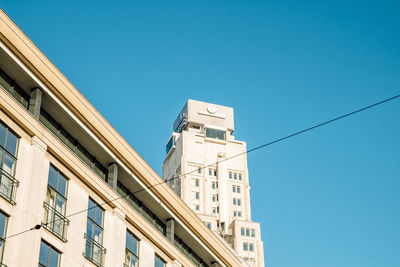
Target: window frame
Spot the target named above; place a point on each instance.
(3, 235)
(50, 248)
(129, 251)
(11, 183)
(160, 262)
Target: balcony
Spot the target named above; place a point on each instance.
(8, 187)
(94, 251)
(55, 222)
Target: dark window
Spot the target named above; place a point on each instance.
(131, 253)
(216, 134)
(158, 262)
(17, 92)
(3, 228)
(8, 160)
(48, 256)
(55, 204)
(73, 144)
(94, 250)
(170, 144)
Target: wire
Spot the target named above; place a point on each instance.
(37, 227)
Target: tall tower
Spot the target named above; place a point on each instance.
(211, 181)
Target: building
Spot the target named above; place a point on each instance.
(207, 167)
(73, 192)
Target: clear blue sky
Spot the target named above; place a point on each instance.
(328, 198)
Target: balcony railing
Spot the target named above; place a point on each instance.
(94, 251)
(8, 187)
(55, 222)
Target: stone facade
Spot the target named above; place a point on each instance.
(207, 167)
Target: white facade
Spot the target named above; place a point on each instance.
(203, 168)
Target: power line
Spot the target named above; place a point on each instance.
(37, 227)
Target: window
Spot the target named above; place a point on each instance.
(213, 198)
(230, 175)
(216, 134)
(48, 256)
(235, 176)
(54, 206)
(158, 262)
(251, 247)
(213, 185)
(131, 253)
(170, 144)
(242, 231)
(239, 214)
(199, 170)
(240, 176)
(247, 232)
(238, 202)
(197, 195)
(234, 201)
(17, 92)
(245, 246)
(209, 225)
(197, 207)
(94, 250)
(234, 213)
(8, 159)
(214, 210)
(233, 189)
(238, 189)
(212, 172)
(73, 144)
(3, 228)
(253, 233)
(197, 182)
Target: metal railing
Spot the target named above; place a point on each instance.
(55, 222)
(8, 186)
(94, 251)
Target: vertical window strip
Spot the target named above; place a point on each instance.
(3, 230)
(131, 254)
(8, 160)
(55, 204)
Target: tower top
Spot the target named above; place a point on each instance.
(203, 113)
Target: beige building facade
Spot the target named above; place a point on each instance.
(73, 192)
(207, 167)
